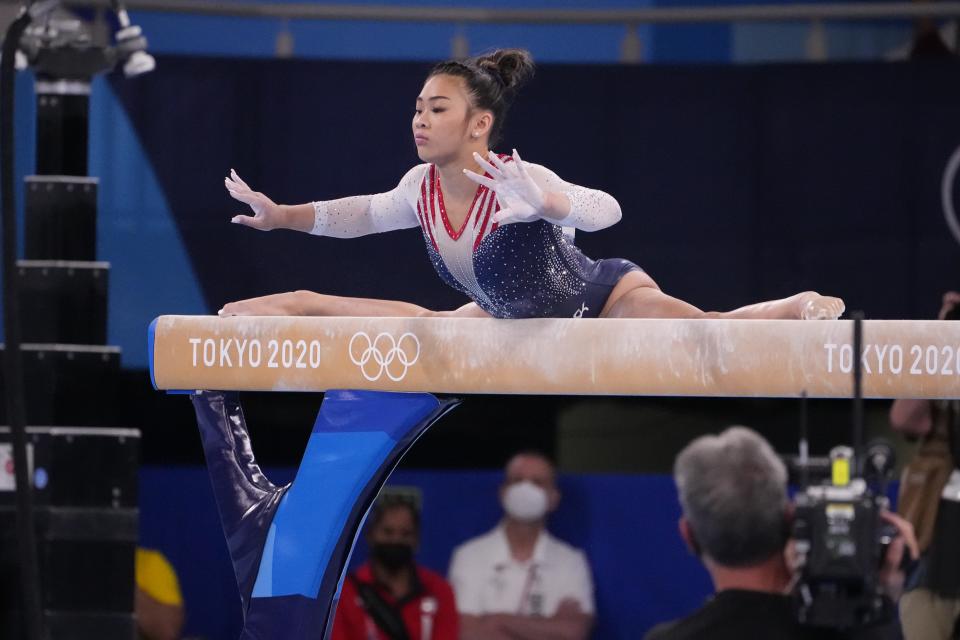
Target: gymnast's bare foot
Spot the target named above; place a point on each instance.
(813, 306)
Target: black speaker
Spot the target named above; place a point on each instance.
(76, 467)
(68, 384)
(61, 218)
(63, 302)
(62, 126)
(85, 490)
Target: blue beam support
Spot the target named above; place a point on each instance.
(290, 545)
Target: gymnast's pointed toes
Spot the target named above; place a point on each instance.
(817, 307)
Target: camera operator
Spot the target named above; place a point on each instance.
(930, 500)
(736, 519)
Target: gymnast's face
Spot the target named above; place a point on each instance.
(446, 127)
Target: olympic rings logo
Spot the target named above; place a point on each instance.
(946, 193)
(382, 352)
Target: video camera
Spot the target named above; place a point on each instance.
(60, 46)
(841, 543)
(841, 540)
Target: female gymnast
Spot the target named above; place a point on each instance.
(493, 224)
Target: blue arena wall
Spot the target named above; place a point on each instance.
(627, 525)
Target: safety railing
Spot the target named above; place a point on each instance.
(815, 14)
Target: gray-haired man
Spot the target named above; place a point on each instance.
(736, 519)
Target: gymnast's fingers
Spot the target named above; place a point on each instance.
(246, 221)
(236, 177)
(245, 198)
(519, 163)
(486, 166)
(479, 179)
(233, 187)
(498, 163)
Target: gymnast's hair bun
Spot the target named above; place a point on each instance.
(492, 80)
(513, 67)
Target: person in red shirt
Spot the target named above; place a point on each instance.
(390, 597)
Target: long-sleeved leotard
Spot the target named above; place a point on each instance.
(515, 270)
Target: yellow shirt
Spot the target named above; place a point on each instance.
(156, 577)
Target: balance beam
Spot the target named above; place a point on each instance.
(658, 357)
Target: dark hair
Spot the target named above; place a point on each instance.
(493, 80)
(533, 453)
(390, 501)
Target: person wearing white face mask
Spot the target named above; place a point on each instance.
(518, 581)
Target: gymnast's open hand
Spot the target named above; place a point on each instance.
(521, 200)
(267, 214)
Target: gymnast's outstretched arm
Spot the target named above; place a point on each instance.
(343, 218)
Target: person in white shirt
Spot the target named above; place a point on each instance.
(518, 581)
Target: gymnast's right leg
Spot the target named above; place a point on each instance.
(310, 303)
(638, 296)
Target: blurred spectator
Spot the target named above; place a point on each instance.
(930, 500)
(158, 603)
(390, 597)
(733, 492)
(518, 581)
(928, 39)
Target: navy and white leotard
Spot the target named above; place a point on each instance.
(515, 270)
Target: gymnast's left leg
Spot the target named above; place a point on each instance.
(636, 295)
